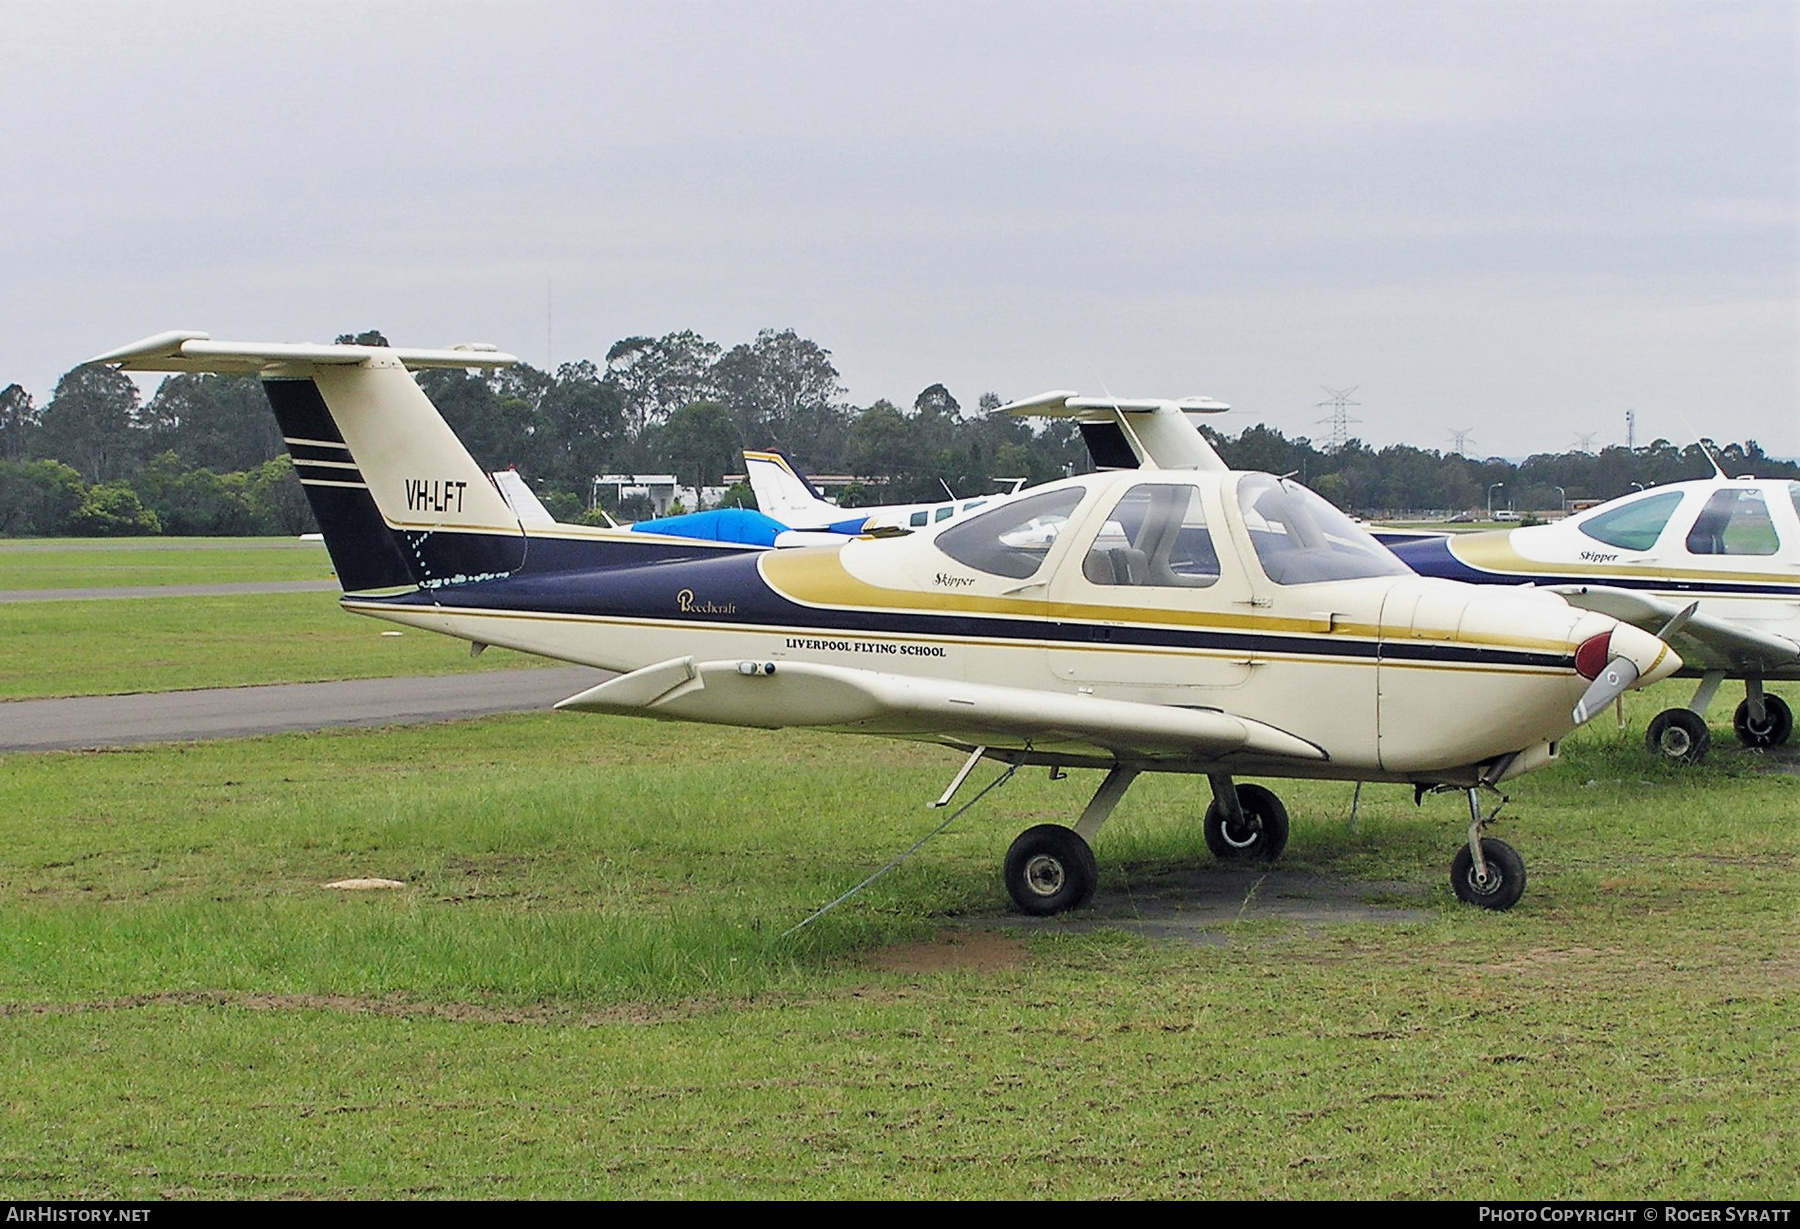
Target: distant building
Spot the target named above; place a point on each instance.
(659, 489)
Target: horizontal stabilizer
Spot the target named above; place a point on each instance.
(1132, 434)
(1701, 639)
(187, 351)
(1063, 403)
(782, 695)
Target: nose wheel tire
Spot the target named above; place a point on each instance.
(1503, 884)
(1772, 731)
(1263, 834)
(1050, 869)
(1679, 734)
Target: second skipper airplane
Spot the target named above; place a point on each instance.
(1729, 546)
(1191, 620)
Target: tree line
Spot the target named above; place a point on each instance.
(203, 454)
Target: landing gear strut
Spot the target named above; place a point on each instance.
(1761, 720)
(1051, 868)
(1486, 872)
(1245, 822)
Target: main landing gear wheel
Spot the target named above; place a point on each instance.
(1263, 833)
(1049, 869)
(1504, 882)
(1679, 734)
(1772, 731)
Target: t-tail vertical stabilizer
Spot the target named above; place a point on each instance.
(784, 493)
(398, 498)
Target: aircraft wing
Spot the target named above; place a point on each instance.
(842, 698)
(1704, 641)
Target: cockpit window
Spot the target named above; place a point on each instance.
(1636, 525)
(1299, 538)
(1734, 522)
(1013, 539)
(1155, 536)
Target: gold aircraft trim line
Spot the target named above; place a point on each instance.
(1495, 553)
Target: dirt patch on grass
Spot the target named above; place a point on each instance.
(982, 951)
(1784, 759)
(1199, 906)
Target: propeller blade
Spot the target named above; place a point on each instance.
(1678, 622)
(1612, 682)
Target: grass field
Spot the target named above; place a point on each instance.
(116, 646)
(583, 989)
(586, 987)
(75, 563)
(112, 646)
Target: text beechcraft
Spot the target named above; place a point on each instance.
(1188, 620)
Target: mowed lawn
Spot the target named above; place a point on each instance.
(584, 988)
(121, 645)
(80, 563)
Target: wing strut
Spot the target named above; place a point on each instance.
(961, 776)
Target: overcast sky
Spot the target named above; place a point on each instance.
(1520, 219)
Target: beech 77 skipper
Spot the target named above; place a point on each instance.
(1730, 547)
(1157, 619)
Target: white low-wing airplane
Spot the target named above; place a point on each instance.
(1170, 620)
(1730, 545)
(786, 494)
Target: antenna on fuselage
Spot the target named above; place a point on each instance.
(1718, 470)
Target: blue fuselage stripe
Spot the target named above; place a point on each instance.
(1434, 558)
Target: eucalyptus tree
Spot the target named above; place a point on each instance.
(781, 391)
(218, 422)
(656, 376)
(91, 424)
(18, 419)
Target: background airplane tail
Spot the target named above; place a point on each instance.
(399, 500)
(783, 492)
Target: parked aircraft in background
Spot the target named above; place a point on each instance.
(1732, 545)
(786, 494)
(523, 500)
(1154, 620)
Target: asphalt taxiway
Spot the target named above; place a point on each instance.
(230, 712)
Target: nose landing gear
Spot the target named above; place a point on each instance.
(1486, 872)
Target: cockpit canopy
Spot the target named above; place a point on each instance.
(1730, 520)
(1158, 532)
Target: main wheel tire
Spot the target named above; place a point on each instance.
(1679, 734)
(1262, 835)
(1772, 731)
(1050, 869)
(1505, 881)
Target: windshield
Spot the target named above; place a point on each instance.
(1636, 525)
(1299, 538)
